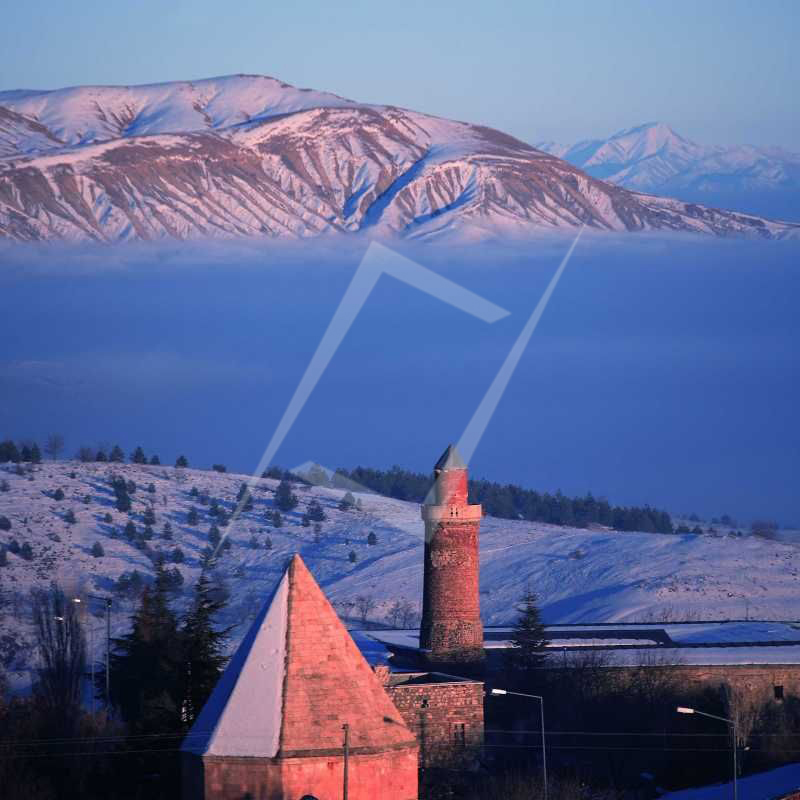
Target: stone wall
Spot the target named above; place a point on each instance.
(371, 777)
(447, 719)
(759, 682)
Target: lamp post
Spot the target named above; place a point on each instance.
(732, 723)
(345, 781)
(541, 712)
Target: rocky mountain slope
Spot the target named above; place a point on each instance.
(250, 156)
(654, 158)
(579, 575)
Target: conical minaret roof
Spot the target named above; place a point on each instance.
(450, 459)
(295, 679)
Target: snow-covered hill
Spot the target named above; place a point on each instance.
(587, 576)
(250, 156)
(654, 158)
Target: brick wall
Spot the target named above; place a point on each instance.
(447, 719)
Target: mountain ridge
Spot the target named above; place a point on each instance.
(252, 156)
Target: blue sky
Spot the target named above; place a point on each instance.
(719, 72)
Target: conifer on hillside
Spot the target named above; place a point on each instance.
(527, 636)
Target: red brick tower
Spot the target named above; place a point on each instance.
(451, 628)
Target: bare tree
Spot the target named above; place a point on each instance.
(62, 653)
(743, 710)
(365, 604)
(53, 445)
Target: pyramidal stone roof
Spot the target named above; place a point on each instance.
(450, 459)
(295, 679)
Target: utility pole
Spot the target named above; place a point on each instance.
(346, 729)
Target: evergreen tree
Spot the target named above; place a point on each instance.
(3, 557)
(151, 488)
(202, 649)
(192, 517)
(181, 461)
(117, 455)
(8, 452)
(13, 547)
(527, 637)
(5, 486)
(155, 461)
(69, 517)
(267, 543)
(214, 536)
(97, 550)
(352, 557)
(176, 556)
(123, 500)
(26, 551)
(25, 453)
(277, 519)
(5, 524)
(58, 495)
(108, 519)
(146, 668)
(285, 498)
(149, 517)
(101, 457)
(167, 532)
(347, 502)
(130, 530)
(138, 456)
(315, 511)
(372, 538)
(219, 468)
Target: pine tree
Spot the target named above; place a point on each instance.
(130, 530)
(69, 517)
(155, 461)
(146, 668)
(181, 461)
(167, 532)
(192, 517)
(267, 543)
(202, 649)
(177, 556)
(528, 636)
(58, 495)
(372, 538)
(214, 536)
(347, 502)
(285, 498)
(277, 519)
(315, 511)
(5, 524)
(352, 557)
(117, 455)
(36, 454)
(151, 488)
(101, 457)
(26, 552)
(97, 550)
(138, 456)
(3, 557)
(149, 517)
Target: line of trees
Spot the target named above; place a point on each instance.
(509, 501)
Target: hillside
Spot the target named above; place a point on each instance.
(588, 576)
(251, 156)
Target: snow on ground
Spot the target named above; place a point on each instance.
(769, 785)
(579, 575)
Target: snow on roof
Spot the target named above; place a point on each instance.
(295, 680)
(253, 680)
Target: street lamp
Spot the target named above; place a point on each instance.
(541, 711)
(732, 723)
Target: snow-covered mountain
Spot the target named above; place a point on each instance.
(579, 575)
(248, 155)
(654, 158)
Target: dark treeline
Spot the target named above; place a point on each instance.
(509, 501)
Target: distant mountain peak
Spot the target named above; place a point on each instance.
(249, 155)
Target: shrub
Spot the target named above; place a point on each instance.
(192, 517)
(151, 487)
(167, 530)
(176, 556)
(58, 494)
(5, 524)
(353, 557)
(219, 468)
(69, 517)
(267, 543)
(13, 547)
(87, 499)
(108, 519)
(3, 557)
(155, 461)
(277, 519)
(130, 530)
(194, 492)
(4, 486)
(214, 536)
(97, 550)
(26, 551)
(372, 538)
(149, 517)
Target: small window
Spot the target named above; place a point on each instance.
(778, 692)
(460, 734)
(425, 703)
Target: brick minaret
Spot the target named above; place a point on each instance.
(451, 616)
